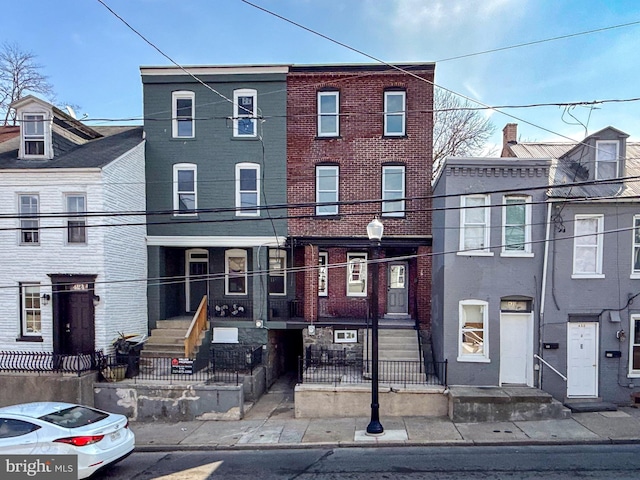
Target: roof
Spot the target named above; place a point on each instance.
(94, 154)
(7, 133)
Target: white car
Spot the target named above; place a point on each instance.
(54, 428)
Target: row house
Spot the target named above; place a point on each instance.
(536, 267)
(73, 250)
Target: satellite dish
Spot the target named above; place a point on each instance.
(71, 112)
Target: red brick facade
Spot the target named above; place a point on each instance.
(360, 151)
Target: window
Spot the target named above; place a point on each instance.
(245, 108)
(345, 336)
(31, 321)
(327, 190)
(636, 246)
(634, 345)
(473, 345)
(516, 225)
(235, 272)
(323, 262)
(328, 114)
(33, 128)
(29, 223)
(277, 272)
(606, 160)
(185, 199)
(76, 226)
(247, 189)
(393, 189)
(183, 114)
(474, 221)
(587, 246)
(10, 427)
(356, 274)
(394, 113)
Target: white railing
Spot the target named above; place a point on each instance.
(550, 366)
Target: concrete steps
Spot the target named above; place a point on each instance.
(503, 404)
(397, 344)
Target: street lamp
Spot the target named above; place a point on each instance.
(374, 231)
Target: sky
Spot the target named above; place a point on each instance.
(92, 58)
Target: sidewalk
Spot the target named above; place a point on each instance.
(270, 423)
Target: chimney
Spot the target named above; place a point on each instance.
(509, 137)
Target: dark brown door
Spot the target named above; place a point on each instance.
(74, 314)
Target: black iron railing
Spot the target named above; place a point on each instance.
(47, 362)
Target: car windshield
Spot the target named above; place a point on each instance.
(74, 417)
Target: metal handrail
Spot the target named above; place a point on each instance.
(198, 324)
(550, 366)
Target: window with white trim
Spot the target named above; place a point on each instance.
(356, 274)
(34, 135)
(183, 114)
(245, 112)
(634, 346)
(185, 182)
(30, 313)
(635, 267)
(393, 191)
(277, 271)
(474, 221)
(516, 225)
(606, 159)
(247, 189)
(587, 246)
(394, 113)
(235, 273)
(328, 114)
(29, 223)
(327, 177)
(76, 225)
(474, 335)
(323, 285)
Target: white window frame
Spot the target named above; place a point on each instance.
(278, 268)
(228, 274)
(334, 171)
(634, 342)
(28, 219)
(38, 136)
(345, 336)
(580, 241)
(176, 119)
(463, 354)
(34, 309)
(390, 195)
(635, 250)
(323, 274)
(77, 222)
(335, 114)
(240, 210)
(241, 115)
(526, 247)
(464, 224)
(388, 114)
(185, 167)
(356, 274)
(615, 160)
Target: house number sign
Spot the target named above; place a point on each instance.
(80, 286)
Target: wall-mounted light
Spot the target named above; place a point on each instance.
(45, 298)
(620, 335)
(96, 300)
(259, 324)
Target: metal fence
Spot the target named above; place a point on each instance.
(47, 362)
(338, 367)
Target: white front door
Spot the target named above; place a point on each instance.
(582, 359)
(516, 348)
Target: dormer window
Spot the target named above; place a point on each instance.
(606, 159)
(33, 132)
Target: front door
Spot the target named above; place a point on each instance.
(198, 270)
(73, 314)
(516, 348)
(397, 291)
(582, 359)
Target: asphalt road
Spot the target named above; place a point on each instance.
(619, 462)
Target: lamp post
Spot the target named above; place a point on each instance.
(374, 231)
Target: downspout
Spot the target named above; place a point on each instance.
(543, 291)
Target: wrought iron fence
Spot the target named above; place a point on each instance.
(47, 362)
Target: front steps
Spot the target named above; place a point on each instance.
(167, 339)
(398, 345)
(503, 404)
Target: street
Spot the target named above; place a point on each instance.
(443, 463)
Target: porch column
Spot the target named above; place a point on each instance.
(311, 283)
(260, 282)
(423, 290)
